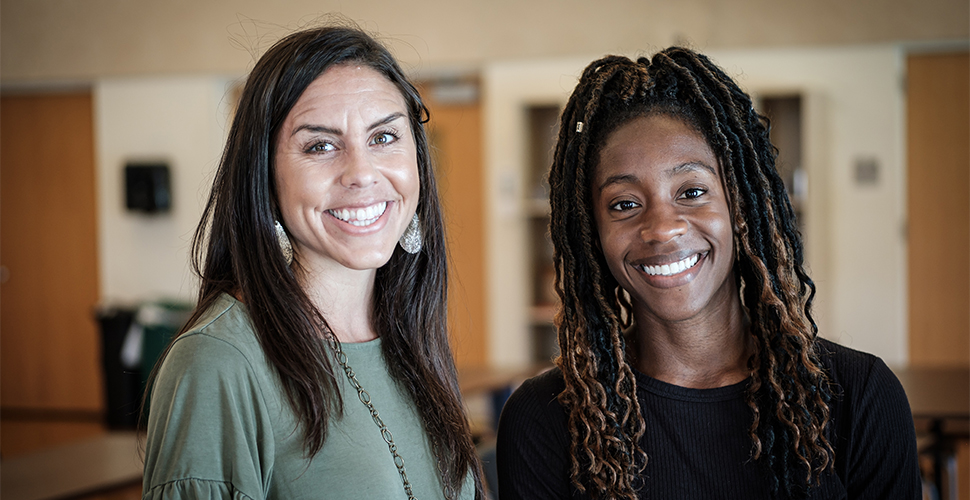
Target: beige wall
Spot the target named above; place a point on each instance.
(42, 40)
(177, 120)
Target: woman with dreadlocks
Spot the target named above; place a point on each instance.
(690, 365)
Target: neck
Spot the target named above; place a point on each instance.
(345, 298)
(699, 353)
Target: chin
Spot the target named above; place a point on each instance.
(364, 263)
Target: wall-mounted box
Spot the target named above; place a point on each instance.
(147, 187)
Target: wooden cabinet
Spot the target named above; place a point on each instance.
(543, 126)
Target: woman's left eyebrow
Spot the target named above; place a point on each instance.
(387, 119)
(691, 166)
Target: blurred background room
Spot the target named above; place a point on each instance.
(114, 114)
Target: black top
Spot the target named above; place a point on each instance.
(697, 440)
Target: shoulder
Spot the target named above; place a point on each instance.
(549, 382)
(855, 373)
(871, 425)
(223, 337)
(533, 441)
(219, 354)
(214, 408)
(839, 357)
(537, 396)
(533, 414)
(859, 378)
(228, 321)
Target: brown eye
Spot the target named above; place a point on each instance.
(693, 193)
(384, 138)
(622, 206)
(320, 147)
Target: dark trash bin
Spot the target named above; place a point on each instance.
(122, 384)
(132, 339)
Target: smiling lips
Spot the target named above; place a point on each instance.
(673, 268)
(360, 217)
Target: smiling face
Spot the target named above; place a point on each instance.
(346, 170)
(663, 220)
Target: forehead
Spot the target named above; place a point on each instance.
(356, 85)
(657, 141)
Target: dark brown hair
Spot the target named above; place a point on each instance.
(788, 392)
(236, 252)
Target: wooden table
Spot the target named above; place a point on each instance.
(102, 463)
(940, 401)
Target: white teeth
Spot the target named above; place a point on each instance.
(362, 216)
(671, 269)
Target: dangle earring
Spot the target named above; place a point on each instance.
(284, 242)
(411, 239)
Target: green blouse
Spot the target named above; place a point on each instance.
(220, 425)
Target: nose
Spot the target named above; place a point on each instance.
(359, 169)
(661, 223)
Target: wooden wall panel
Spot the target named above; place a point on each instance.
(938, 184)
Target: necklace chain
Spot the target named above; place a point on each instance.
(364, 398)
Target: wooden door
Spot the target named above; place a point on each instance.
(455, 131)
(938, 184)
(50, 377)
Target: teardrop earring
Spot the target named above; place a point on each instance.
(411, 239)
(284, 242)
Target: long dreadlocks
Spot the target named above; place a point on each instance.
(788, 392)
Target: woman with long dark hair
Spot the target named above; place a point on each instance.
(690, 364)
(316, 363)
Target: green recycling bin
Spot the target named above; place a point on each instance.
(160, 322)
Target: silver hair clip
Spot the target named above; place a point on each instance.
(579, 127)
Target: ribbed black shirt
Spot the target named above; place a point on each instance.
(698, 445)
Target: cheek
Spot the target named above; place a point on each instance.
(721, 226)
(613, 252)
(413, 182)
(724, 225)
(293, 188)
(406, 179)
(400, 166)
(297, 191)
(408, 191)
(284, 186)
(607, 241)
